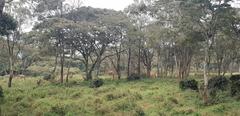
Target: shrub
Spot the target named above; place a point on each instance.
(189, 84)
(219, 83)
(235, 85)
(216, 88)
(133, 77)
(47, 77)
(1, 92)
(96, 83)
(235, 78)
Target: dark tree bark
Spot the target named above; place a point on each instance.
(68, 67)
(56, 62)
(10, 57)
(129, 61)
(183, 61)
(62, 60)
(158, 62)
(147, 58)
(2, 4)
(139, 58)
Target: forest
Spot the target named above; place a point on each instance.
(153, 58)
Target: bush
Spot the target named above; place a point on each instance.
(217, 84)
(96, 83)
(133, 77)
(235, 78)
(235, 85)
(1, 92)
(189, 84)
(47, 77)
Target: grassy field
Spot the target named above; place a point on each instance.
(156, 97)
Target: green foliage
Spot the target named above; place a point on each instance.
(235, 85)
(48, 77)
(188, 84)
(96, 83)
(7, 24)
(217, 84)
(134, 77)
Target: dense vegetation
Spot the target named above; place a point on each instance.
(156, 57)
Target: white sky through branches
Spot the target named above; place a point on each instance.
(108, 4)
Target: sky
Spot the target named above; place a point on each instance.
(109, 4)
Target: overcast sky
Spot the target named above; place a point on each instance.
(109, 4)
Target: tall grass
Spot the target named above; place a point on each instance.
(115, 98)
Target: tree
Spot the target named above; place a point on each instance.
(58, 33)
(91, 41)
(7, 26)
(137, 13)
(119, 25)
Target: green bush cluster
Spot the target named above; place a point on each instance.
(96, 83)
(188, 84)
(134, 77)
(235, 85)
(47, 76)
(216, 85)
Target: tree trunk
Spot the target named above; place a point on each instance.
(89, 75)
(2, 4)
(97, 70)
(11, 72)
(68, 70)
(129, 61)
(62, 69)
(119, 67)
(10, 57)
(56, 63)
(149, 71)
(231, 69)
(219, 65)
(139, 58)
(239, 67)
(69, 65)
(158, 65)
(205, 92)
(86, 70)
(62, 65)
